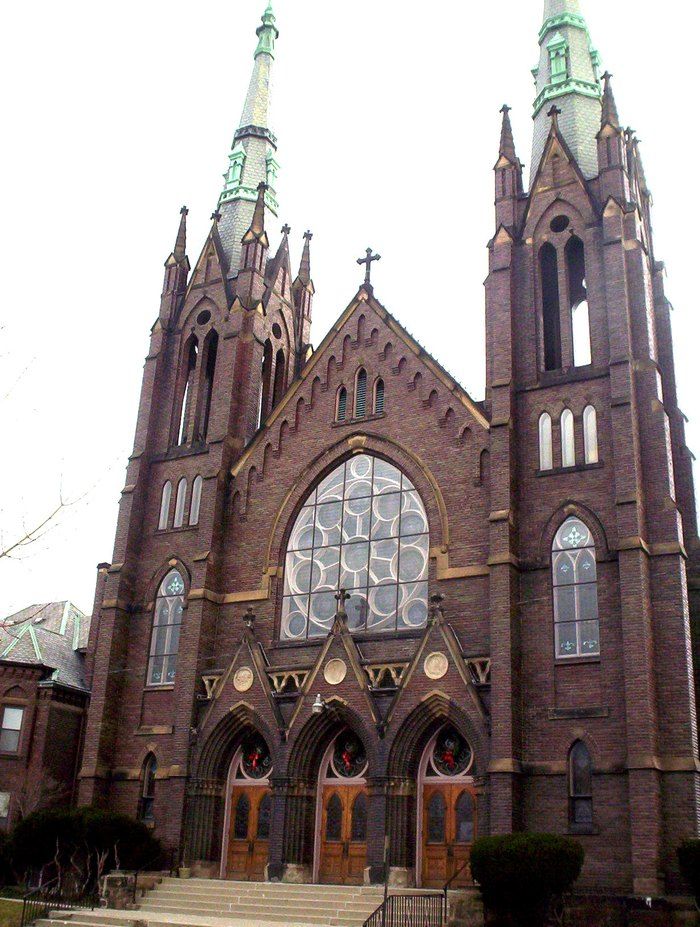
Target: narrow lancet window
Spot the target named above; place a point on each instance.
(279, 378)
(165, 505)
(546, 457)
(165, 637)
(361, 393)
(179, 519)
(341, 404)
(578, 301)
(379, 397)
(590, 434)
(148, 790)
(188, 391)
(551, 321)
(266, 388)
(580, 788)
(208, 385)
(568, 439)
(196, 500)
(575, 581)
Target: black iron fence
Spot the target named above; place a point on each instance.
(53, 897)
(424, 910)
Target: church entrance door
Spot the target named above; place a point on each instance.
(250, 834)
(248, 813)
(447, 811)
(341, 832)
(343, 835)
(448, 834)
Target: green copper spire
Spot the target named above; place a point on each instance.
(267, 34)
(252, 159)
(568, 75)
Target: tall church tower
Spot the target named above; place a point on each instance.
(585, 422)
(230, 337)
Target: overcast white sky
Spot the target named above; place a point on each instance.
(387, 118)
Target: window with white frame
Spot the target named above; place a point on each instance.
(575, 586)
(165, 637)
(568, 439)
(166, 495)
(590, 434)
(11, 728)
(179, 519)
(364, 529)
(5, 806)
(545, 428)
(196, 502)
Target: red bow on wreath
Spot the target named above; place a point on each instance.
(346, 757)
(448, 758)
(254, 759)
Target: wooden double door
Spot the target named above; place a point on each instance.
(343, 834)
(249, 833)
(449, 829)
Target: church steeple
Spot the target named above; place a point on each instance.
(252, 159)
(568, 75)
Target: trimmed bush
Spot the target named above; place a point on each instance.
(80, 844)
(520, 875)
(689, 861)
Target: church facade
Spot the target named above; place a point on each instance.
(354, 615)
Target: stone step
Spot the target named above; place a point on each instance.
(246, 904)
(313, 913)
(216, 885)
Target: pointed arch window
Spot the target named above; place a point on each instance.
(379, 397)
(212, 347)
(266, 382)
(575, 585)
(551, 321)
(545, 428)
(179, 519)
(165, 497)
(361, 393)
(196, 502)
(578, 301)
(341, 405)
(580, 788)
(187, 390)
(568, 439)
(165, 636)
(590, 435)
(148, 790)
(278, 390)
(363, 529)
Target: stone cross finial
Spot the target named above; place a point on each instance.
(367, 261)
(341, 598)
(249, 617)
(436, 605)
(215, 216)
(184, 211)
(308, 235)
(286, 229)
(554, 112)
(505, 109)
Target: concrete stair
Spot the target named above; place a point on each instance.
(214, 903)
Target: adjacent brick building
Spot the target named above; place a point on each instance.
(43, 704)
(347, 600)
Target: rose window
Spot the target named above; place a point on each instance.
(363, 529)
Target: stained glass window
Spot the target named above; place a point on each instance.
(451, 755)
(580, 787)
(464, 818)
(436, 818)
(575, 578)
(363, 529)
(359, 819)
(264, 814)
(165, 638)
(242, 816)
(334, 818)
(148, 789)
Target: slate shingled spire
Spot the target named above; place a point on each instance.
(507, 146)
(567, 74)
(610, 116)
(252, 156)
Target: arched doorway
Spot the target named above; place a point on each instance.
(248, 812)
(341, 814)
(446, 810)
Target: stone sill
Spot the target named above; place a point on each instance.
(360, 636)
(374, 417)
(577, 468)
(576, 661)
(183, 530)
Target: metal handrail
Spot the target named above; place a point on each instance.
(174, 852)
(39, 901)
(446, 886)
(408, 910)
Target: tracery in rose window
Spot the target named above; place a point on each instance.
(255, 760)
(348, 759)
(451, 754)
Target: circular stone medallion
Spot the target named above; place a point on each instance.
(243, 679)
(335, 671)
(435, 666)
